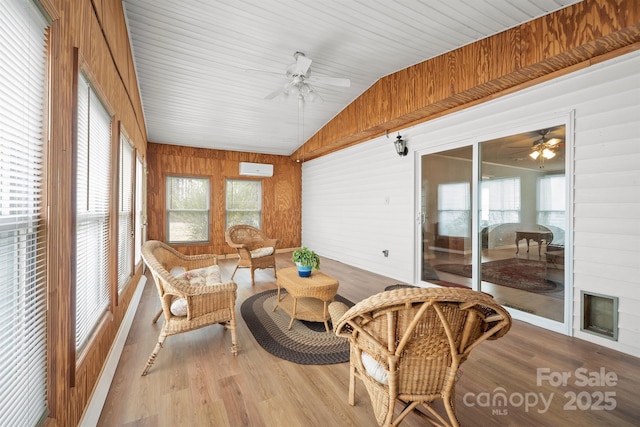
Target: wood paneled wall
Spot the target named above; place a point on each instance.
(561, 42)
(281, 193)
(96, 30)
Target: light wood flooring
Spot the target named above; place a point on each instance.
(196, 381)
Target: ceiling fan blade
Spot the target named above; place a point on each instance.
(255, 71)
(326, 80)
(281, 93)
(302, 65)
(274, 94)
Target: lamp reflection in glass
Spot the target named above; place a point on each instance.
(401, 146)
(544, 150)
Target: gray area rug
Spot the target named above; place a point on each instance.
(307, 343)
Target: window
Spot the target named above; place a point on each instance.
(187, 209)
(137, 257)
(125, 213)
(552, 205)
(93, 160)
(23, 37)
(244, 202)
(454, 214)
(500, 203)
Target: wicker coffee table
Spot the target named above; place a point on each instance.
(307, 298)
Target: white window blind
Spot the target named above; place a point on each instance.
(125, 213)
(187, 209)
(552, 205)
(500, 201)
(92, 212)
(139, 213)
(454, 209)
(244, 202)
(23, 337)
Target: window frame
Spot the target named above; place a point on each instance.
(139, 206)
(463, 215)
(126, 203)
(23, 201)
(258, 211)
(506, 215)
(554, 219)
(79, 350)
(205, 211)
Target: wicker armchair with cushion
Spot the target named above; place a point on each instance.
(191, 293)
(254, 248)
(407, 345)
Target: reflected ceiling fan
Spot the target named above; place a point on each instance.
(299, 78)
(544, 148)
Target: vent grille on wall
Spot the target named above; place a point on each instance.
(256, 169)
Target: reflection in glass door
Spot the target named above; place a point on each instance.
(522, 221)
(446, 215)
(520, 214)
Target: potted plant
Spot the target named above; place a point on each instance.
(306, 260)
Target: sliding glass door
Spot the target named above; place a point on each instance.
(514, 200)
(522, 221)
(446, 215)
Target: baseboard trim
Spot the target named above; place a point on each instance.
(92, 412)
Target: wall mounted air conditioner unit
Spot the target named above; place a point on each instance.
(256, 169)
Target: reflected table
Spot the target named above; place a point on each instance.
(536, 236)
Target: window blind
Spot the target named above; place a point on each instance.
(187, 209)
(454, 209)
(500, 200)
(244, 202)
(92, 212)
(22, 259)
(139, 213)
(125, 213)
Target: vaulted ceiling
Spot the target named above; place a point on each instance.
(205, 68)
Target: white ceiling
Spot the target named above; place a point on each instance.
(192, 57)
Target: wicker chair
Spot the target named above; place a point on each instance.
(407, 345)
(254, 248)
(203, 302)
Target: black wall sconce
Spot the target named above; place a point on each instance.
(401, 146)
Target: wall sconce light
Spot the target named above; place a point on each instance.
(401, 146)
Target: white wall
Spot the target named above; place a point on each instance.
(361, 200)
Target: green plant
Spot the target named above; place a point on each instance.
(306, 257)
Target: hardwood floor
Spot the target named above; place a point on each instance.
(196, 381)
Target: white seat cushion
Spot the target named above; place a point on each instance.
(177, 271)
(179, 307)
(375, 369)
(260, 252)
(198, 277)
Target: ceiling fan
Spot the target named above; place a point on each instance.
(299, 79)
(544, 147)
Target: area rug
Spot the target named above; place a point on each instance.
(307, 343)
(515, 273)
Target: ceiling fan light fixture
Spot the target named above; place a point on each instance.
(294, 91)
(553, 141)
(543, 149)
(313, 96)
(548, 154)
